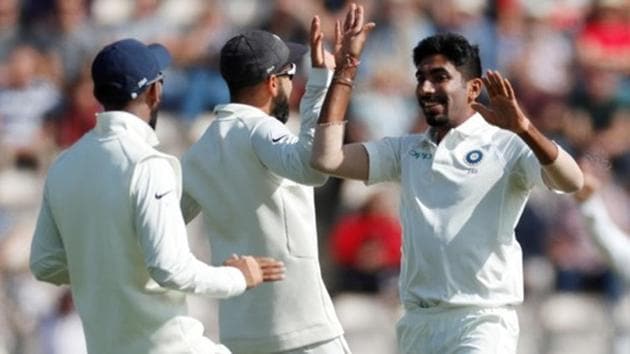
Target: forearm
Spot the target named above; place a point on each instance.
(310, 109)
(193, 276)
(560, 171)
(338, 96)
(329, 155)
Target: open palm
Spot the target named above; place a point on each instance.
(504, 110)
(320, 57)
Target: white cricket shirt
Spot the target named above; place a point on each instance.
(110, 225)
(460, 203)
(252, 179)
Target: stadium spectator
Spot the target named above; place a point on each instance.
(111, 228)
(251, 178)
(68, 37)
(24, 102)
(10, 30)
(78, 114)
(365, 246)
(604, 41)
(464, 183)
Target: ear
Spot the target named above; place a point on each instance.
(273, 85)
(474, 88)
(154, 95)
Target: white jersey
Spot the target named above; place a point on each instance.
(251, 178)
(460, 203)
(110, 226)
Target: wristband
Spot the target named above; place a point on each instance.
(342, 81)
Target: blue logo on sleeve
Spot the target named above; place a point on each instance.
(474, 157)
(422, 155)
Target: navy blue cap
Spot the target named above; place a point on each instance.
(127, 67)
(250, 57)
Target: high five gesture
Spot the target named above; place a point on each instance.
(504, 110)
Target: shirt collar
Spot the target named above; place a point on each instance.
(118, 121)
(469, 127)
(243, 110)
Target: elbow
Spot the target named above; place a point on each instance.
(323, 164)
(317, 179)
(165, 278)
(37, 271)
(577, 184)
(572, 184)
(56, 277)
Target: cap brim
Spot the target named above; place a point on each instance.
(296, 52)
(161, 54)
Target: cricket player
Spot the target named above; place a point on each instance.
(464, 184)
(110, 225)
(252, 179)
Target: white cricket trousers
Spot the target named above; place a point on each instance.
(458, 330)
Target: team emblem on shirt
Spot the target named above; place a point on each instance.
(474, 157)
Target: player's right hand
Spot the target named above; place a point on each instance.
(272, 269)
(257, 269)
(249, 267)
(320, 57)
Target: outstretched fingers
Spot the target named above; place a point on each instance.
(510, 89)
(350, 18)
(489, 86)
(338, 37)
(357, 26)
(499, 83)
(317, 43)
(272, 269)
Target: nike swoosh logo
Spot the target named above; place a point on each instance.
(159, 196)
(277, 139)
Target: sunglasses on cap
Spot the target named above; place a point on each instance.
(289, 72)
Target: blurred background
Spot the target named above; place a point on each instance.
(568, 59)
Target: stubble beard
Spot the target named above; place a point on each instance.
(280, 109)
(153, 118)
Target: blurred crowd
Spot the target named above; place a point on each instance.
(569, 61)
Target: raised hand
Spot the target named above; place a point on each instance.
(504, 110)
(350, 36)
(320, 57)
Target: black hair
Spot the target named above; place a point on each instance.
(110, 97)
(455, 48)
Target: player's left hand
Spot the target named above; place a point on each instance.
(351, 35)
(504, 110)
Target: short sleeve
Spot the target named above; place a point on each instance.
(384, 160)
